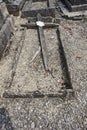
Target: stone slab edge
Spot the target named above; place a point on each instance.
(15, 7)
(75, 8)
(67, 13)
(3, 13)
(50, 11)
(5, 34)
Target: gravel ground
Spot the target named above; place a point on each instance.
(48, 113)
(74, 40)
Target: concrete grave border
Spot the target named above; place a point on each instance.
(6, 28)
(15, 7)
(67, 13)
(75, 8)
(5, 34)
(28, 12)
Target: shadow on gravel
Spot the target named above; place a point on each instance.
(64, 65)
(5, 122)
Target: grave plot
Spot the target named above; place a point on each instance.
(30, 76)
(6, 25)
(33, 7)
(37, 69)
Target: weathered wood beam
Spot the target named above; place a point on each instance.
(36, 94)
(43, 44)
(34, 26)
(44, 19)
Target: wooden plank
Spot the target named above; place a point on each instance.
(44, 19)
(33, 26)
(38, 94)
(43, 44)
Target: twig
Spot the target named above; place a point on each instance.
(35, 55)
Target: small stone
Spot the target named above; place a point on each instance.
(32, 125)
(52, 37)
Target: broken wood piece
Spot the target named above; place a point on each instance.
(43, 44)
(35, 55)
